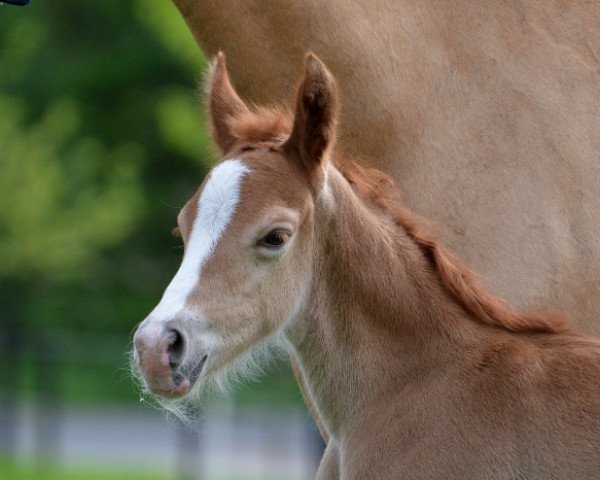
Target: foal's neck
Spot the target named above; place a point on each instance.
(378, 316)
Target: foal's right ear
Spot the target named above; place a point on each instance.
(223, 104)
(313, 133)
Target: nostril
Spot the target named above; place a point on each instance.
(175, 348)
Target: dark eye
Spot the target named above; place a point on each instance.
(275, 239)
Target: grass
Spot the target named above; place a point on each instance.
(13, 471)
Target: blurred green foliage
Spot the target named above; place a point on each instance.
(100, 145)
(91, 95)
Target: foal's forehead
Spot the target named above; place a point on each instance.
(248, 184)
(218, 196)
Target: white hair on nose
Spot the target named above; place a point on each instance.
(216, 206)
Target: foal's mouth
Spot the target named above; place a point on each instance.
(181, 381)
(184, 379)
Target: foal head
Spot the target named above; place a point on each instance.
(248, 235)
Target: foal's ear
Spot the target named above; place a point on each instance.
(223, 104)
(315, 117)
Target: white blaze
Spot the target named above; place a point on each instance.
(216, 207)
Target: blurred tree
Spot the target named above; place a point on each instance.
(99, 145)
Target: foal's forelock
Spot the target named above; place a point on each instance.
(216, 207)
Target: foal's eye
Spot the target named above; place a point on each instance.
(275, 239)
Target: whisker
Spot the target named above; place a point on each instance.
(174, 207)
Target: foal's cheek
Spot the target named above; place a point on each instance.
(267, 293)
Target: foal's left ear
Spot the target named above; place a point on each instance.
(313, 133)
(223, 104)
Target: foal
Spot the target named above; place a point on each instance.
(414, 370)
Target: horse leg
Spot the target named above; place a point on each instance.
(329, 468)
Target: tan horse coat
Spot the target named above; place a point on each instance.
(487, 115)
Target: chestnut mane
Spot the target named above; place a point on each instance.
(376, 187)
(379, 189)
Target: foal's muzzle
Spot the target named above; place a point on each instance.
(160, 355)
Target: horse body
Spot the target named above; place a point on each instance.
(415, 371)
(486, 114)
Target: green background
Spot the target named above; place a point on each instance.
(102, 140)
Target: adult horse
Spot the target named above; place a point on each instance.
(486, 114)
(416, 371)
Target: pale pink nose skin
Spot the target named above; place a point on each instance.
(159, 354)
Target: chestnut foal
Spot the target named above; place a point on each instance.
(414, 370)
